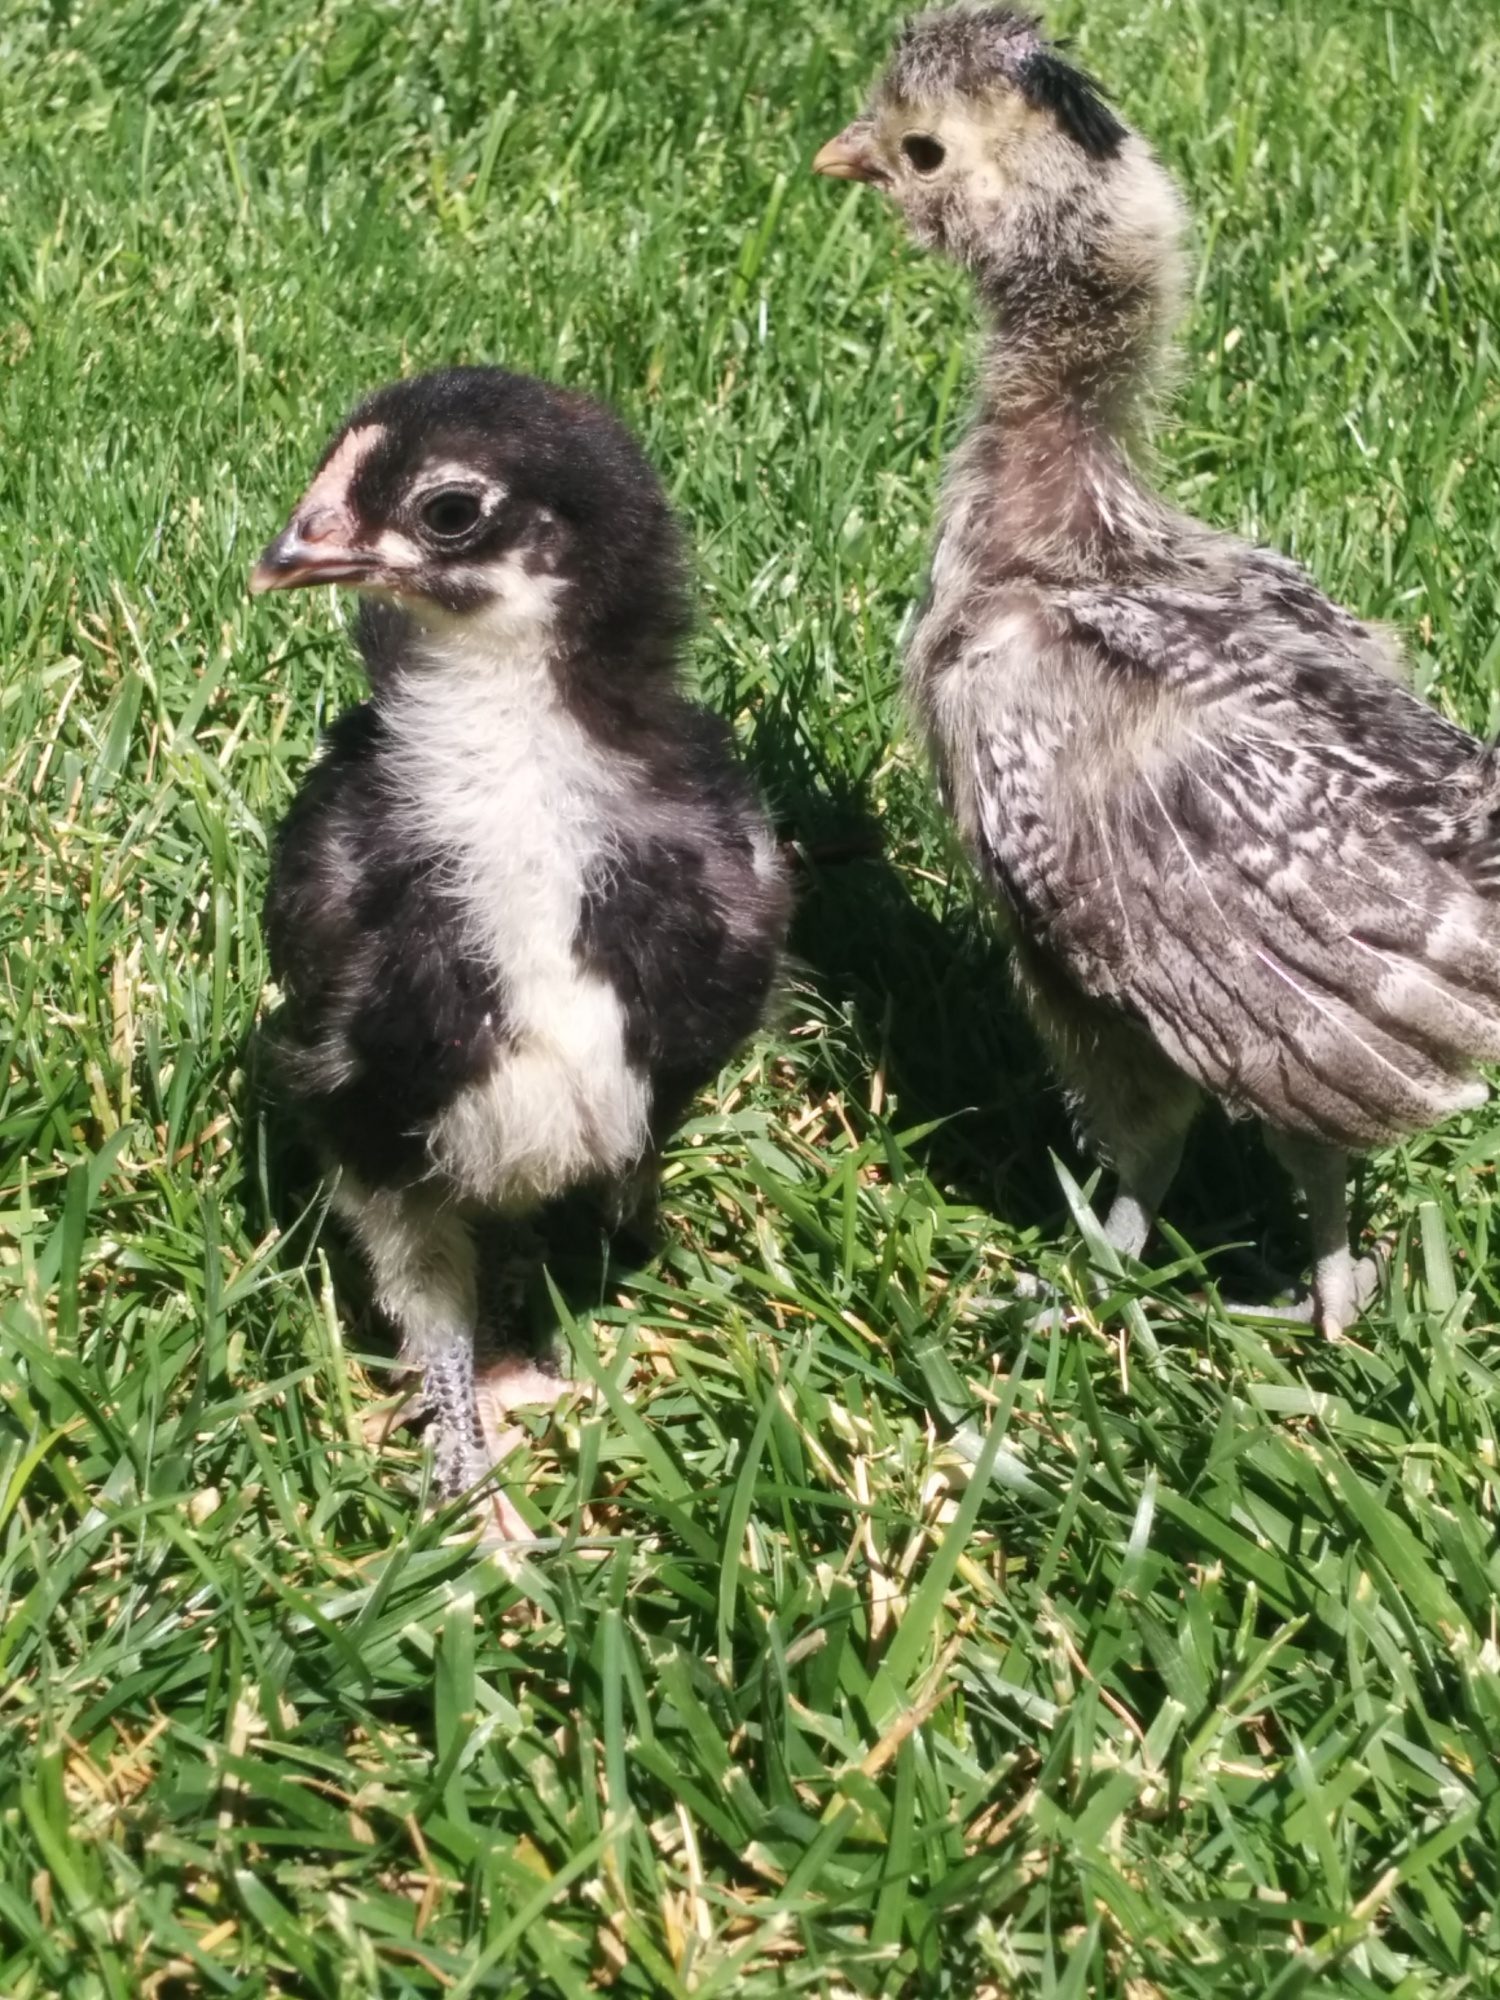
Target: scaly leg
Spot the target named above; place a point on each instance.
(1342, 1286)
(424, 1264)
(509, 1372)
(631, 1206)
(422, 1261)
(1145, 1172)
(1140, 1132)
(1133, 1106)
(1135, 1112)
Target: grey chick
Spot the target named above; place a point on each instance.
(1241, 858)
(527, 903)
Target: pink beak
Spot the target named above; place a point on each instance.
(318, 545)
(852, 156)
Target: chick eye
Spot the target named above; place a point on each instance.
(452, 512)
(925, 153)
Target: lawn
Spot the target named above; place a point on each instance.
(873, 1644)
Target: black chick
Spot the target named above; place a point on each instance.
(526, 903)
(1240, 856)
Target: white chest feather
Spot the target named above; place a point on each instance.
(495, 774)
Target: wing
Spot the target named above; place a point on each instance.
(686, 917)
(312, 918)
(1263, 873)
(387, 1013)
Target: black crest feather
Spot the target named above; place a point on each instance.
(1075, 101)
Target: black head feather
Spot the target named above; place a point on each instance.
(968, 50)
(563, 459)
(457, 489)
(1050, 83)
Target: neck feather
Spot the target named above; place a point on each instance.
(1059, 339)
(1083, 293)
(447, 681)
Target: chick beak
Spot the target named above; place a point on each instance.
(318, 545)
(852, 156)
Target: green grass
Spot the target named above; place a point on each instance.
(878, 1649)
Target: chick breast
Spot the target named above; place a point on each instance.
(501, 980)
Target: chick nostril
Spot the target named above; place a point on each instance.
(319, 524)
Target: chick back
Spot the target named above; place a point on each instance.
(1214, 811)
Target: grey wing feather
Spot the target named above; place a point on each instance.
(1285, 886)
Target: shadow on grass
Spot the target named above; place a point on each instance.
(935, 1016)
(931, 1025)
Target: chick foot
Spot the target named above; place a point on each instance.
(1045, 1309)
(1343, 1286)
(508, 1383)
(457, 1410)
(1113, 1245)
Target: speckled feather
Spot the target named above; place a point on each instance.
(1240, 855)
(1205, 794)
(1275, 860)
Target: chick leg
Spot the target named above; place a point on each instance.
(1144, 1174)
(1132, 1106)
(422, 1261)
(424, 1265)
(631, 1204)
(1342, 1286)
(1144, 1170)
(1136, 1119)
(510, 1371)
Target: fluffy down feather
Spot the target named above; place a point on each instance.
(1241, 857)
(1282, 879)
(527, 902)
